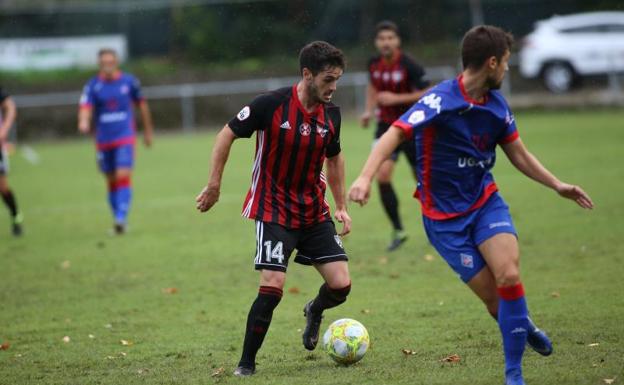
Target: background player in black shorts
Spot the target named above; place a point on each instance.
(297, 133)
(8, 113)
(395, 83)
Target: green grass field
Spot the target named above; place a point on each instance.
(68, 277)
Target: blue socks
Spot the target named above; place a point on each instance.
(119, 198)
(513, 320)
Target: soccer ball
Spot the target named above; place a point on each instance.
(346, 341)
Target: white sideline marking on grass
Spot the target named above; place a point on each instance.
(30, 155)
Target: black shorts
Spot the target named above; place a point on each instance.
(4, 161)
(316, 244)
(408, 147)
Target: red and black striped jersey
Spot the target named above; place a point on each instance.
(399, 75)
(288, 185)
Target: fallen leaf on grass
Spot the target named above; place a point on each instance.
(555, 294)
(428, 257)
(394, 275)
(451, 358)
(365, 311)
(294, 290)
(126, 343)
(609, 380)
(65, 265)
(123, 354)
(218, 372)
(143, 371)
(408, 352)
(383, 260)
(91, 336)
(170, 290)
(593, 344)
(108, 326)
(66, 339)
(5, 346)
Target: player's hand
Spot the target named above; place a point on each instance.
(343, 217)
(365, 119)
(207, 198)
(576, 194)
(360, 191)
(83, 127)
(386, 98)
(148, 139)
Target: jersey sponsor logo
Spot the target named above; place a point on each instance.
(285, 125)
(244, 113)
(432, 101)
(416, 117)
(321, 131)
(464, 162)
(499, 224)
(305, 129)
(338, 240)
(113, 117)
(397, 76)
(467, 260)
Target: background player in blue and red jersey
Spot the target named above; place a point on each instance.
(109, 99)
(396, 81)
(456, 127)
(297, 133)
(8, 113)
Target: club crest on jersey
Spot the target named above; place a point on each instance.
(385, 76)
(467, 260)
(244, 113)
(124, 89)
(338, 240)
(321, 131)
(416, 117)
(376, 74)
(305, 129)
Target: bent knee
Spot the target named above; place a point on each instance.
(508, 277)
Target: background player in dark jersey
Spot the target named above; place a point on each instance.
(395, 83)
(297, 133)
(109, 99)
(457, 127)
(8, 113)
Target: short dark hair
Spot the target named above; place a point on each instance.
(107, 51)
(482, 42)
(320, 55)
(386, 25)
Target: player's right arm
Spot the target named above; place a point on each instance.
(371, 103)
(9, 113)
(220, 153)
(85, 111)
(387, 144)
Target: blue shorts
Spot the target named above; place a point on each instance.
(457, 239)
(116, 158)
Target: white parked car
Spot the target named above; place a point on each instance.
(563, 49)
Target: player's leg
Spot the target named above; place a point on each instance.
(9, 200)
(106, 164)
(321, 247)
(124, 161)
(390, 202)
(274, 244)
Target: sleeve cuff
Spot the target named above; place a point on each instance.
(407, 129)
(509, 138)
(86, 106)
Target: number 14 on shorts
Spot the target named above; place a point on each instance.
(274, 253)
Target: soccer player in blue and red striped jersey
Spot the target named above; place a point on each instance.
(396, 81)
(109, 98)
(297, 133)
(456, 127)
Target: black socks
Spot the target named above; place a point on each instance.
(9, 201)
(391, 204)
(328, 298)
(258, 322)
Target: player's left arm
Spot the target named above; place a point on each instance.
(148, 125)
(530, 166)
(336, 180)
(9, 113)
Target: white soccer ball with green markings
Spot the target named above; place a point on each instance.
(346, 341)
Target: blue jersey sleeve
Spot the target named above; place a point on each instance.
(422, 114)
(135, 90)
(510, 131)
(87, 99)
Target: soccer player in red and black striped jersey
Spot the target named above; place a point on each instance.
(8, 113)
(395, 83)
(297, 133)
